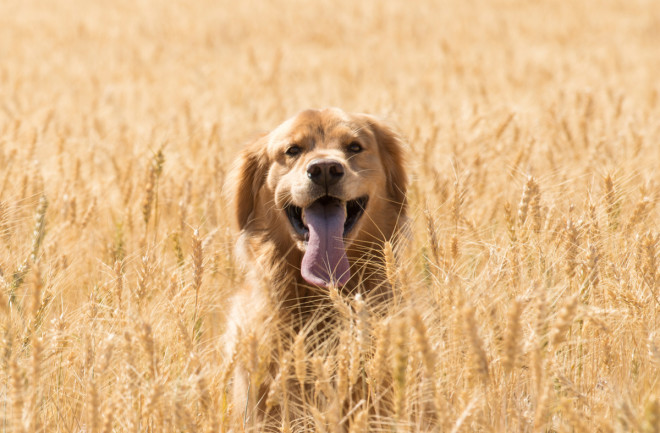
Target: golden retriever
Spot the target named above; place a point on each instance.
(315, 200)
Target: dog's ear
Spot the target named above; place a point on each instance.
(391, 147)
(248, 176)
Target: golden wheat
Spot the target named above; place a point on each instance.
(526, 298)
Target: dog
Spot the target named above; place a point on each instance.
(315, 200)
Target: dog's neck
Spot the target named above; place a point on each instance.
(278, 266)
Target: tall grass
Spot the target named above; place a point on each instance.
(527, 299)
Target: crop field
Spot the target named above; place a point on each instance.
(527, 297)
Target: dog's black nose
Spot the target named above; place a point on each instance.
(325, 172)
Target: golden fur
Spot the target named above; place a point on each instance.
(265, 180)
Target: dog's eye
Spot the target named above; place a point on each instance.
(293, 150)
(355, 147)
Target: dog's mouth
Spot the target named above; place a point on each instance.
(323, 225)
(354, 211)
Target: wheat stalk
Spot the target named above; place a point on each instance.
(512, 336)
(479, 358)
(300, 362)
(198, 271)
(564, 321)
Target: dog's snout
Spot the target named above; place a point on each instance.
(325, 172)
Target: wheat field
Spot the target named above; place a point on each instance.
(527, 297)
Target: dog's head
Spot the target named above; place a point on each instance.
(320, 182)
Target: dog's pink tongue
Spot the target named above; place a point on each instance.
(325, 260)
